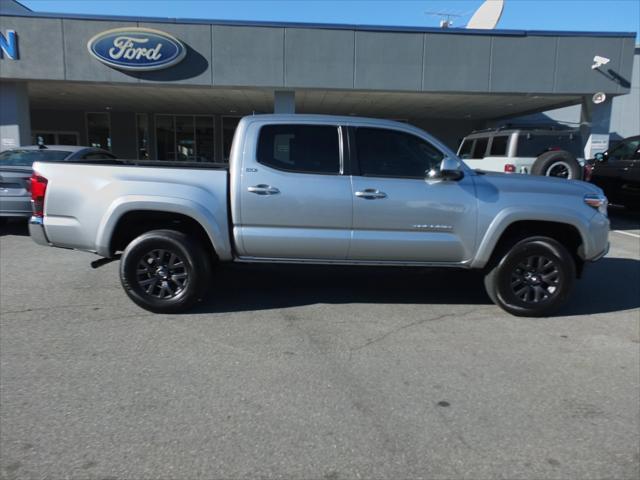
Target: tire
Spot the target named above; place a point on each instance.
(164, 271)
(533, 278)
(557, 164)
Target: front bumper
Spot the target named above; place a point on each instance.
(36, 230)
(601, 254)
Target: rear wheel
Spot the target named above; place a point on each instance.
(533, 278)
(164, 271)
(559, 164)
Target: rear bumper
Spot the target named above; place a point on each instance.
(15, 206)
(36, 230)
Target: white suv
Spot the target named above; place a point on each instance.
(536, 151)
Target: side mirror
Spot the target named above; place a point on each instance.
(449, 170)
(599, 157)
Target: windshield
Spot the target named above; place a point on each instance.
(26, 158)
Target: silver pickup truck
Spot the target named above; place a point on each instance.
(323, 189)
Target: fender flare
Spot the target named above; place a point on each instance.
(204, 216)
(509, 216)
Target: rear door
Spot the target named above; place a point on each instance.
(397, 214)
(295, 201)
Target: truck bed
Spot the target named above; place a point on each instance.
(85, 200)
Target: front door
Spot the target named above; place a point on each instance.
(398, 215)
(614, 174)
(295, 201)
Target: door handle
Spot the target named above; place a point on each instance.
(263, 189)
(371, 194)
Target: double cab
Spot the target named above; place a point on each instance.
(328, 190)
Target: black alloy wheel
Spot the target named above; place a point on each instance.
(536, 279)
(162, 274)
(165, 271)
(532, 278)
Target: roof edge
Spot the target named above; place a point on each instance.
(326, 26)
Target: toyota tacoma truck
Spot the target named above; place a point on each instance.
(326, 190)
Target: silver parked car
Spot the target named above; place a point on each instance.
(15, 172)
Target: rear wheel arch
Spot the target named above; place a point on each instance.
(131, 224)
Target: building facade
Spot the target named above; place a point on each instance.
(122, 84)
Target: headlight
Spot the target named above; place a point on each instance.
(597, 201)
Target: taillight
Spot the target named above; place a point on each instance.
(509, 168)
(38, 189)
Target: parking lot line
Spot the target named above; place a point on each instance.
(635, 235)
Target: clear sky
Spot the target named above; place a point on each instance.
(584, 15)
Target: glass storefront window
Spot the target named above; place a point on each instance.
(187, 138)
(55, 138)
(99, 130)
(166, 137)
(142, 129)
(229, 125)
(204, 139)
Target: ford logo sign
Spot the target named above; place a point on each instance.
(140, 49)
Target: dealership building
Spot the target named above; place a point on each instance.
(174, 89)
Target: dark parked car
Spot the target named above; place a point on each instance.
(15, 171)
(617, 172)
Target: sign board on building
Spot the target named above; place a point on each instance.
(135, 48)
(9, 45)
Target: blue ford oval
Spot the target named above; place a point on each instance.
(140, 49)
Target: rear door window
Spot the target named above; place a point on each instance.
(98, 156)
(480, 148)
(300, 148)
(499, 146)
(25, 158)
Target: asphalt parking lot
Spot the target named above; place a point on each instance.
(328, 373)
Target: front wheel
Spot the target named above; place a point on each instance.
(164, 271)
(533, 279)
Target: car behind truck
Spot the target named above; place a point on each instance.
(326, 190)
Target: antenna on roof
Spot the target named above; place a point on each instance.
(445, 18)
(487, 16)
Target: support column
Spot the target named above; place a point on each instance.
(15, 120)
(595, 122)
(284, 101)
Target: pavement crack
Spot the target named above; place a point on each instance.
(406, 326)
(56, 307)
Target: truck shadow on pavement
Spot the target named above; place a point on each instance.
(610, 285)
